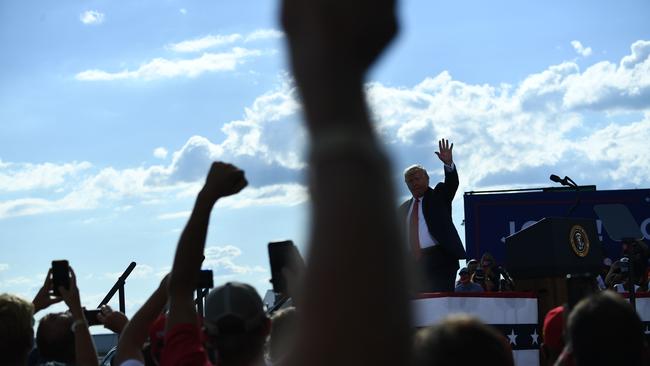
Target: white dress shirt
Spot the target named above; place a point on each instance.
(426, 239)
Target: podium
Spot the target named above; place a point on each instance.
(554, 246)
(540, 256)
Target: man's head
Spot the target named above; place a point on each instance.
(235, 323)
(604, 329)
(417, 180)
(16, 333)
(55, 339)
(461, 340)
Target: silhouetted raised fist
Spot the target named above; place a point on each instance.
(223, 180)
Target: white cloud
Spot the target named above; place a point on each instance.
(160, 152)
(91, 17)
(4, 267)
(175, 215)
(217, 40)
(517, 133)
(221, 259)
(504, 134)
(262, 34)
(26, 176)
(200, 44)
(580, 49)
(625, 147)
(108, 184)
(606, 86)
(22, 282)
(272, 195)
(183, 11)
(267, 143)
(160, 68)
(640, 53)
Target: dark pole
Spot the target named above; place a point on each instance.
(122, 301)
(630, 254)
(119, 284)
(199, 301)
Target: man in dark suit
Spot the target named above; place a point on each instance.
(433, 240)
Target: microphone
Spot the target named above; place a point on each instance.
(566, 181)
(556, 179)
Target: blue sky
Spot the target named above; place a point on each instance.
(110, 113)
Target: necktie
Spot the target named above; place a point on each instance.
(414, 237)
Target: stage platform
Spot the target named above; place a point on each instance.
(513, 313)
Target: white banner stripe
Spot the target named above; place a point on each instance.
(643, 308)
(429, 311)
(526, 358)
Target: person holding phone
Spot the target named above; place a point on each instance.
(65, 337)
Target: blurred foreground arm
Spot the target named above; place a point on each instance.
(354, 306)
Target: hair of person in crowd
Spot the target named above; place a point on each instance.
(487, 261)
(235, 324)
(604, 329)
(471, 266)
(461, 340)
(16, 332)
(55, 339)
(282, 336)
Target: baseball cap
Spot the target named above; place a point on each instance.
(233, 308)
(553, 328)
(463, 270)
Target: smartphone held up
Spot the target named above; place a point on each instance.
(60, 276)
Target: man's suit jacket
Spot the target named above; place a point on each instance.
(436, 208)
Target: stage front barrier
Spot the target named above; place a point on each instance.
(512, 313)
(643, 309)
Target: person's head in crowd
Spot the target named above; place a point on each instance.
(281, 340)
(464, 275)
(487, 262)
(55, 339)
(615, 275)
(16, 332)
(639, 253)
(607, 264)
(479, 276)
(625, 275)
(604, 329)
(472, 265)
(461, 340)
(235, 324)
(553, 335)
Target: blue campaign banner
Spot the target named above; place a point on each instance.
(490, 218)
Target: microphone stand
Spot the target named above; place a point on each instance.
(630, 272)
(577, 202)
